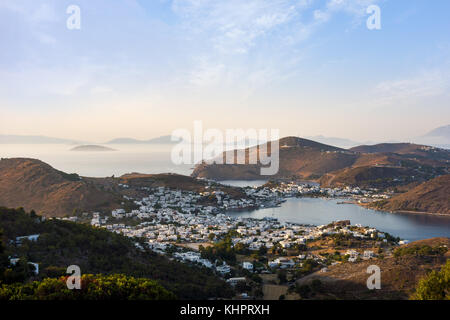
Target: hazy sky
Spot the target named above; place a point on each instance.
(144, 68)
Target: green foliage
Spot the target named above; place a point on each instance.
(424, 250)
(222, 250)
(70, 176)
(99, 287)
(435, 286)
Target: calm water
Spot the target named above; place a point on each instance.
(243, 183)
(127, 159)
(317, 211)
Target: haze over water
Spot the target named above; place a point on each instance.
(126, 159)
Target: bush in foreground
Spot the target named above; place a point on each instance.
(435, 286)
(93, 287)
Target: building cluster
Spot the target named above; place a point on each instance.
(293, 189)
(168, 221)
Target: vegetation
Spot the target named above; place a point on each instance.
(222, 250)
(420, 250)
(98, 287)
(435, 286)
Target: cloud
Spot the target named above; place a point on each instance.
(425, 84)
(233, 26)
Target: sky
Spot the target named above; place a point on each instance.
(142, 69)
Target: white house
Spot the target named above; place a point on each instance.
(33, 237)
(248, 266)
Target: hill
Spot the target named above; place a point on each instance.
(443, 132)
(309, 160)
(17, 139)
(335, 141)
(400, 273)
(431, 196)
(98, 251)
(158, 140)
(33, 184)
(410, 149)
(368, 177)
(299, 159)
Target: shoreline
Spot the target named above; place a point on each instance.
(366, 205)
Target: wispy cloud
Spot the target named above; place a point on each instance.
(425, 84)
(226, 30)
(233, 26)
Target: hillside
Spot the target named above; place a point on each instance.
(400, 273)
(308, 160)
(98, 251)
(368, 176)
(432, 196)
(410, 149)
(299, 159)
(33, 184)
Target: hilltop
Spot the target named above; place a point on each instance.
(298, 160)
(430, 196)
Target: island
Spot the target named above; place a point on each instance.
(91, 148)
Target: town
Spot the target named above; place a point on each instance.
(244, 251)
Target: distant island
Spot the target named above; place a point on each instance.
(159, 140)
(92, 148)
